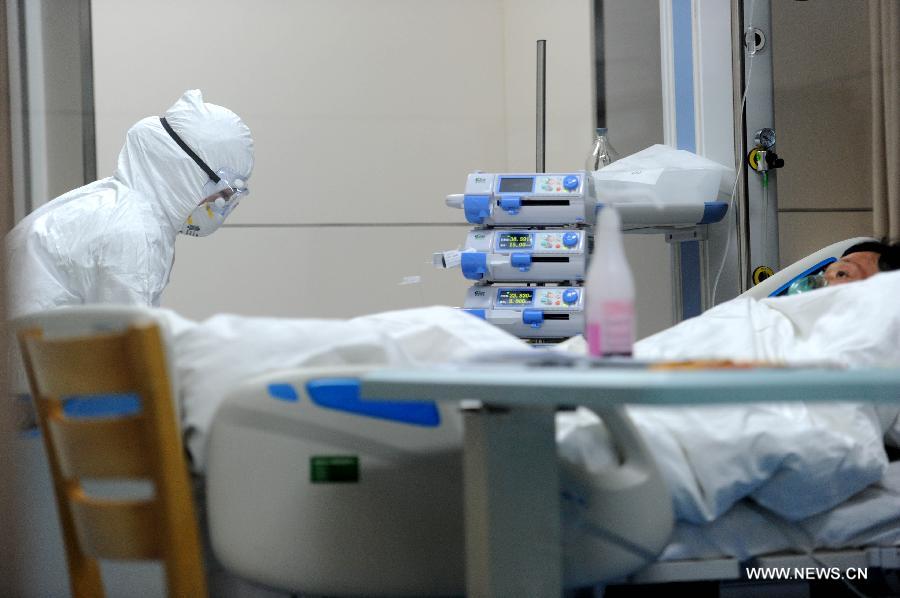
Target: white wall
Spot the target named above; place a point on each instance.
(63, 100)
(365, 115)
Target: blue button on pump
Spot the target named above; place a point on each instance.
(570, 239)
(570, 183)
(570, 296)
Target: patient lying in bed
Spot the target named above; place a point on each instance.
(796, 459)
(862, 261)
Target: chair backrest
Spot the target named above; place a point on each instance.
(76, 320)
(144, 444)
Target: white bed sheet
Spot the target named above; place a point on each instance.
(213, 356)
(869, 518)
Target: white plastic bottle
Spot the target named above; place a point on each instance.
(609, 291)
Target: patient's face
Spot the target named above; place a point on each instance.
(853, 267)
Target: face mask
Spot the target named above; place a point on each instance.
(220, 199)
(221, 193)
(204, 220)
(807, 283)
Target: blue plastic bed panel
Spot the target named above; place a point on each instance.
(342, 394)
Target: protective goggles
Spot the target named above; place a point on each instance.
(223, 184)
(226, 193)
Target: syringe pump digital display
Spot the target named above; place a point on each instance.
(515, 241)
(511, 184)
(515, 297)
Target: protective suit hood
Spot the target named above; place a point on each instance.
(152, 162)
(113, 240)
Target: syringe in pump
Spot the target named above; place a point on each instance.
(560, 199)
(524, 199)
(524, 254)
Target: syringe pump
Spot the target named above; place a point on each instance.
(535, 255)
(531, 199)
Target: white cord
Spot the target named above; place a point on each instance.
(738, 170)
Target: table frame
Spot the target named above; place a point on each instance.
(511, 477)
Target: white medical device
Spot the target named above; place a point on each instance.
(315, 489)
(531, 312)
(538, 255)
(651, 217)
(537, 199)
(536, 229)
(524, 199)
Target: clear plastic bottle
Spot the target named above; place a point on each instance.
(602, 153)
(609, 291)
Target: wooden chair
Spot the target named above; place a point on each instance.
(143, 445)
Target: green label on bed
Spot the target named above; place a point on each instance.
(333, 469)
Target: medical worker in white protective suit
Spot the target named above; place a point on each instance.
(113, 240)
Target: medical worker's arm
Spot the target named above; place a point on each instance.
(130, 270)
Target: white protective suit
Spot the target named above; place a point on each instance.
(113, 240)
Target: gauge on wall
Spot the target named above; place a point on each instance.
(765, 138)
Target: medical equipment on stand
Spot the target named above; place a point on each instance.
(524, 199)
(762, 159)
(546, 244)
(532, 312)
(538, 255)
(489, 202)
(535, 229)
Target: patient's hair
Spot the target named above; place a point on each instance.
(889, 254)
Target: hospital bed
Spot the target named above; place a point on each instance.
(312, 489)
(272, 425)
(285, 435)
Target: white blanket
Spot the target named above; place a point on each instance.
(213, 356)
(795, 459)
